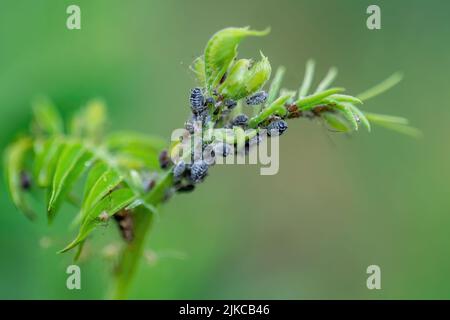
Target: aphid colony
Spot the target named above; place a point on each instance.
(215, 112)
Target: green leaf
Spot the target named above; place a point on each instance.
(336, 121)
(382, 87)
(361, 116)
(221, 50)
(398, 124)
(346, 109)
(307, 80)
(328, 80)
(47, 116)
(243, 81)
(276, 84)
(276, 108)
(111, 204)
(383, 118)
(74, 159)
(157, 194)
(90, 122)
(95, 172)
(198, 67)
(105, 184)
(257, 76)
(47, 155)
(14, 161)
(311, 100)
(345, 98)
(234, 86)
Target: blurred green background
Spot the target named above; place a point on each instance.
(338, 204)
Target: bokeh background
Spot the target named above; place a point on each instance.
(338, 204)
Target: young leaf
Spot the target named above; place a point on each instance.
(198, 67)
(361, 116)
(234, 87)
(329, 78)
(47, 117)
(382, 87)
(276, 84)
(14, 161)
(111, 204)
(345, 98)
(383, 118)
(311, 100)
(336, 121)
(398, 124)
(257, 76)
(47, 155)
(221, 50)
(109, 180)
(71, 164)
(95, 172)
(90, 122)
(345, 109)
(277, 107)
(307, 80)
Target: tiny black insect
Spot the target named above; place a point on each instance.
(179, 169)
(25, 181)
(229, 103)
(189, 126)
(202, 117)
(164, 159)
(197, 100)
(257, 98)
(240, 120)
(126, 224)
(149, 185)
(277, 128)
(209, 101)
(186, 188)
(199, 170)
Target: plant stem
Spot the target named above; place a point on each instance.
(131, 255)
(132, 252)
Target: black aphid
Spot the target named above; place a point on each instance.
(240, 120)
(179, 170)
(277, 128)
(202, 117)
(257, 98)
(199, 170)
(25, 181)
(209, 101)
(186, 188)
(197, 100)
(189, 126)
(164, 159)
(229, 103)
